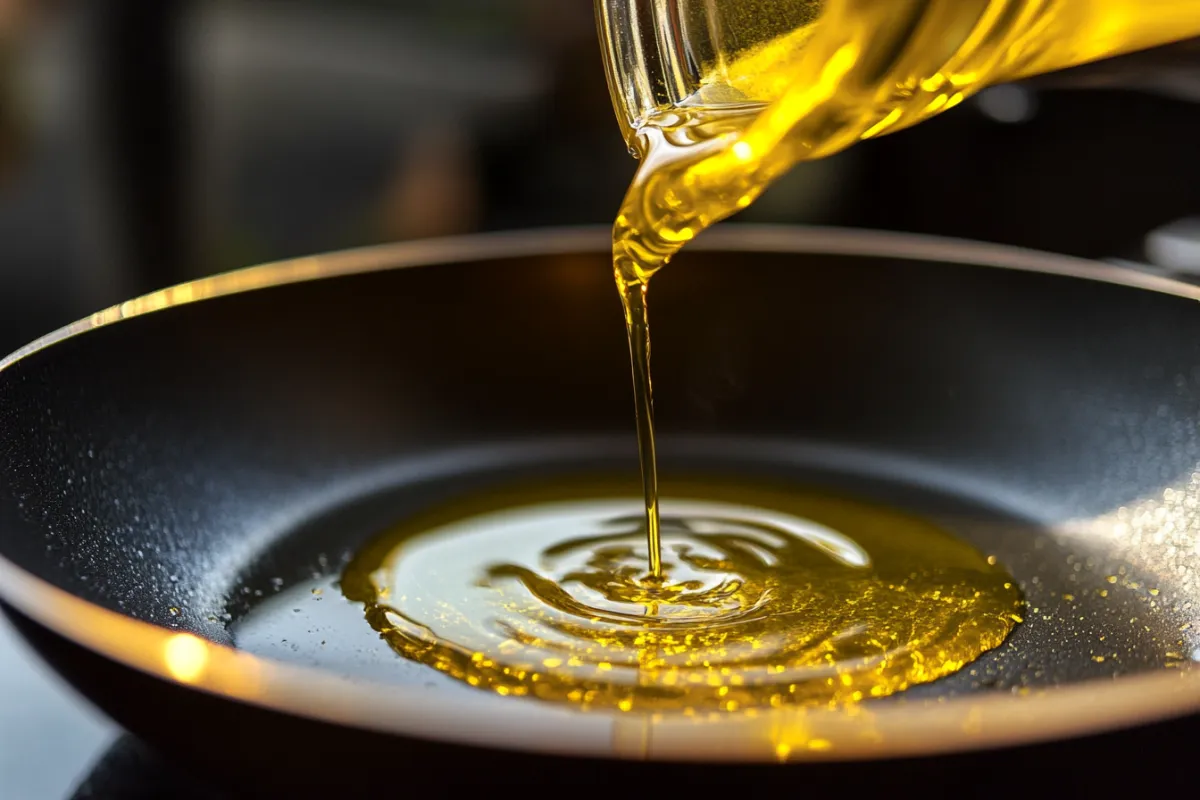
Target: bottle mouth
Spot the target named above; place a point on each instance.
(631, 65)
(665, 54)
(656, 55)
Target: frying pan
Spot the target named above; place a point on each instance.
(177, 473)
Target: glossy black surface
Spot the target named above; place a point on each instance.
(156, 466)
(146, 462)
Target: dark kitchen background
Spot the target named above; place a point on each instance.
(146, 143)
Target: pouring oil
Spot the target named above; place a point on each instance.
(732, 597)
(768, 597)
(718, 98)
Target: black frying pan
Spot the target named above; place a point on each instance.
(172, 486)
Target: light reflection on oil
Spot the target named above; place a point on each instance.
(769, 598)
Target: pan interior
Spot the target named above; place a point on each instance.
(206, 467)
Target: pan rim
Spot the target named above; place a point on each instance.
(900, 730)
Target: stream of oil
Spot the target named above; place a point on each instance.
(770, 84)
(768, 597)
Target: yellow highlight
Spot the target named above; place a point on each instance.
(186, 657)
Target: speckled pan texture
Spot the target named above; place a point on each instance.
(199, 470)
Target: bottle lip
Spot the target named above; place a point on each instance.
(615, 26)
(647, 61)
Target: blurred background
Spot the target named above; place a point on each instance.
(142, 144)
(146, 143)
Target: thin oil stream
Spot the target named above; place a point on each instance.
(637, 323)
(792, 80)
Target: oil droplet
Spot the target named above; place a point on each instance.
(768, 597)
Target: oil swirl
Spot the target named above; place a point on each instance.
(767, 598)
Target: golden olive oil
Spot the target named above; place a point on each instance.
(768, 597)
(744, 89)
(728, 596)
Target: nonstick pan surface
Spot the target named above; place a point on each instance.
(176, 476)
